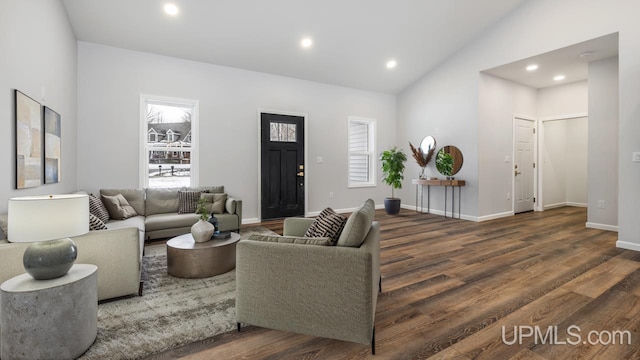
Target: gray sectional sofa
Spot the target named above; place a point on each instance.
(118, 250)
(158, 215)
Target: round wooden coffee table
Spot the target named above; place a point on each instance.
(189, 259)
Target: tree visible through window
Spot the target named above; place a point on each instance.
(168, 149)
(361, 152)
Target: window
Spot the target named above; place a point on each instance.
(361, 152)
(168, 158)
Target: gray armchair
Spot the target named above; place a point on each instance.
(325, 291)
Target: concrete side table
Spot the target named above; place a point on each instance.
(49, 319)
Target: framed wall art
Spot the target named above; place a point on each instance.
(52, 150)
(28, 141)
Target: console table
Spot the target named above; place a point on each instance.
(49, 319)
(420, 183)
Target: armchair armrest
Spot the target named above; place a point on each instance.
(234, 206)
(295, 226)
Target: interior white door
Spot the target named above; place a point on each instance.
(524, 166)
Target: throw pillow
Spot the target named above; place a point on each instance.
(214, 203)
(95, 223)
(327, 224)
(358, 225)
(96, 208)
(118, 207)
(231, 205)
(322, 241)
(188, 201)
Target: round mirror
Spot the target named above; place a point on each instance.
(427, 144)
(449, 160)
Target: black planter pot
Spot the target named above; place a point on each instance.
(392, 206)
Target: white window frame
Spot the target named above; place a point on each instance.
(145, 99)
(371, 143)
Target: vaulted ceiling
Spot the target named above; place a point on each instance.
(352, 39)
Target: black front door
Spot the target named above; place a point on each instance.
(282, 170)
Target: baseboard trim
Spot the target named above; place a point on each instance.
(606, 227)
(567, 203)
(553, 206)
(576, 204)
(495, 216)
(340, 211)
(628, 245)
(250, 221)
(441, 213)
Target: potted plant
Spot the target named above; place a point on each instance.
(392, 174)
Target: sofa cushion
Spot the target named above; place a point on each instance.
(162, 200)
(214, 203)
(95, 223)
(358, 225)
(188, 201)
(170, 221)
(118, 207)
(327, 224)
(97, 208)
(135, 221)
(323, 241)
(135, 197)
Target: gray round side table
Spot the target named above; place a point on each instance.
(49, 319)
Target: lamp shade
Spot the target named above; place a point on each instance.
(40, 218)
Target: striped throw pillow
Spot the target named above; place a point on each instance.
(95, 223)
(327, 224)
(97, 208)
(188, 201)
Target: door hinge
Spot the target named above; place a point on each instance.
(534, 130)
(534, 200)
(534, 165)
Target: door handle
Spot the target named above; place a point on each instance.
(301, 173)
(517, 173)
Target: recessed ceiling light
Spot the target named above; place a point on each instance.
(532, 67)
(391, 64)
(558, 77)
(171, 9)
(306, 42)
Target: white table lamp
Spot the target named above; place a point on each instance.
(47, 221)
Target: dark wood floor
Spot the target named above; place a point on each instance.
(449, 286)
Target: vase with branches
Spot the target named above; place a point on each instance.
(421, 158)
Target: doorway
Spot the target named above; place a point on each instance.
(282, 173)
(524, 165)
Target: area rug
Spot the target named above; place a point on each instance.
(172, 312)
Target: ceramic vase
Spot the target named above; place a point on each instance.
(202, 231)
(46, 260)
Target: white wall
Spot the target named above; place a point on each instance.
(564, 149)
(562, 100)
(499, 100)
(577, 161)
(448, 95)
(38, 50)
(110, 81)
(608, 167)
(564, 143)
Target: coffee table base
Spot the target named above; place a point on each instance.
(188, 259)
